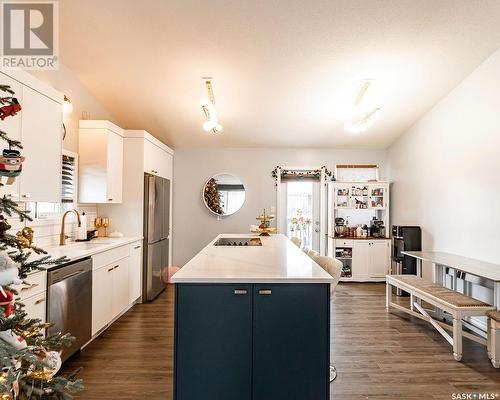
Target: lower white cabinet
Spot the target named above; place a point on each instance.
(110, 293)
(102, 294)
(135, 271)
(116, 283)
(370, 259)
(120, 296)
(35, 306)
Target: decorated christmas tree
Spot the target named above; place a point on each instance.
(212, 196)
(29, 360)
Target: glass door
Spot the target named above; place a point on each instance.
(378, 196)
(303, 212)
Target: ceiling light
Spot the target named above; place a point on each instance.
(361, 92)
(366, 122)
(67, 107)
(208, 106)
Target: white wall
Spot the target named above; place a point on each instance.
(195, 226)
(446, 169)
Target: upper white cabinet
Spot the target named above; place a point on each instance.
(41, 134)
(101, 162)
(39, 127)
(158, 158)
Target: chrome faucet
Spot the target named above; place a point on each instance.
(63, 237)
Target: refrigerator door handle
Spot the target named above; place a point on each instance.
(151, 207)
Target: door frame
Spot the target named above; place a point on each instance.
(322, 203)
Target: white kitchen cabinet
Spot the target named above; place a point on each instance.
(35, 306)
(110, 286)
(101, 162)
(379, 195)
(380, 253)
(370, 260)
(102, 295)
(120, 296)
(157, 161)
(41, 135)
(361, 260)
(135, 271)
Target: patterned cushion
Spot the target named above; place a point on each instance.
(444, 294)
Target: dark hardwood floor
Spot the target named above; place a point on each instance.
(377, 355)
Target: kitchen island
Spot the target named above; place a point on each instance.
(252, 322)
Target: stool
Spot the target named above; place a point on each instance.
(167, 273)
(494, 338)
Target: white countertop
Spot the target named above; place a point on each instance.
(278, 260)
(469, 265)
(78, 250)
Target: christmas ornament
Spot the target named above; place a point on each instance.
(13, 339)
(11, 165)
(9, 272)
(53, 361)
(25, 237)
(10, 110)
(7, 302)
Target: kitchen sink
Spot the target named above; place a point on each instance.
(238, 242)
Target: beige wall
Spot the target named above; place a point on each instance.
(446, 169)
(66, 82)
(194, 226)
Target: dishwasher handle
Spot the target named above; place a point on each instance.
(62, 278)
(69, 271)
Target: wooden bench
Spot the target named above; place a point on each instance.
(494, 338)
(447, 300)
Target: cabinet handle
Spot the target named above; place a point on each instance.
(240, 291)
(110, 199)
(39, 301)
(26, 195)
(12, 195)
(116, 267)
(33, 285)
(266, 292)
(137, 247)
(112, 268)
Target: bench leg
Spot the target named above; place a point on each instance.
(489, 332)
(457, 339)
(388, 296)
(494, 339)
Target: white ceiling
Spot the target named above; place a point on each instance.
(285, 71)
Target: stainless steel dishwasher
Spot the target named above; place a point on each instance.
(69, 305)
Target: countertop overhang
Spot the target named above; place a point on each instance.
(278, 260)
(78, 250)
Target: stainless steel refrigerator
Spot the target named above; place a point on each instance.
(156, 234)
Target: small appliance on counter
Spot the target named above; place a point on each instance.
(405, 238)
(377, 228)
(341, 230)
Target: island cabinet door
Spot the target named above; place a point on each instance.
(291, 342)
(213, 342)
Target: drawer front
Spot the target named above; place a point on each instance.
(35, 283)
(36, 305)
(343, 243)
(108, 257)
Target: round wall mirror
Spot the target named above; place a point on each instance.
(224, 194)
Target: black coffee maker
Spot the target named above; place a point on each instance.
(377, 228)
